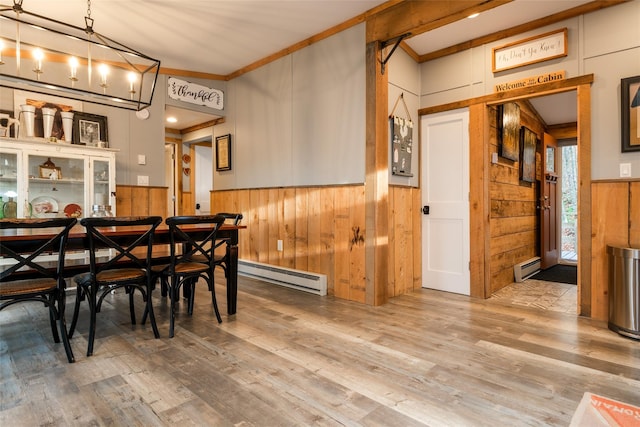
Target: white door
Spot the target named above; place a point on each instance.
(445, 199)
(204, 179)
(170, 168)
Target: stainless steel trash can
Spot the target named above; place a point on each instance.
(624, 291)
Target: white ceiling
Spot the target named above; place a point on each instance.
(223, 36)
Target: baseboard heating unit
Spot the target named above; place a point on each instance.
(526, 269)
(301, 280)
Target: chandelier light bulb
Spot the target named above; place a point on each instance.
(103, 70)
(38, 55)
(73, 64)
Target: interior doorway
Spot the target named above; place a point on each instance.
(569, 206)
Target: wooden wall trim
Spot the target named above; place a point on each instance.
(478, 201)
(584, 200)
(376, 180)
(513, 95)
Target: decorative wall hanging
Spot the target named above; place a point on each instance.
(401, 132)
(508, 124)
(223, 153)
(528, 157)
(195, 94)
(528, 51)
(630, 96)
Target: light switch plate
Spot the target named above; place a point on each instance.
(142, 159)
(625, 170)
(143, 180)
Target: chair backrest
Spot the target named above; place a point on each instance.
(196, 234)
(47, 236)
(235, 218)
(132, 248)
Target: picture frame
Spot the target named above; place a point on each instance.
(508, 127)
(90, 129)
(528, 144)
(223, 153)
(50, 172)
(630, 113)
(539, 48)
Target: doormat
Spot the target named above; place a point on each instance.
(560, 273)
(598, 411)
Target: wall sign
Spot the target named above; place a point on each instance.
(195, 94)
(530, 81)
(529, 51)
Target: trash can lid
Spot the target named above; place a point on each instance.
(632, 253)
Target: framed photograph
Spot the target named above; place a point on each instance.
(508, 123)
(90, 129)
(528, 143)
(531, 50)
(50, 172)
(630, 96)
(223, 153)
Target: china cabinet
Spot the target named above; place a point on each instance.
(44, 179)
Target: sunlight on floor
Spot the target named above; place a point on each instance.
(539, 294)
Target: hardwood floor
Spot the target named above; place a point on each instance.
(289, 359)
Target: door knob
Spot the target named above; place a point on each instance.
(425, 210)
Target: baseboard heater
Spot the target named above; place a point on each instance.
(301, 280)
(526, 269)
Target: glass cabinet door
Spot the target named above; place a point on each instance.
(101, 191)
(56, 186)
(9, 184)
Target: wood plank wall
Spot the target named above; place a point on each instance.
(513, 214)
(615, 208)
(323, 231)
(134, 200)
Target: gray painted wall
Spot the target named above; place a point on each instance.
(299, 120)
(605, 43)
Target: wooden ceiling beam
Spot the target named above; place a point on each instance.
(417, 17)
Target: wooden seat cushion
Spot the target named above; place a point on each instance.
(114, 276)
(27, 286)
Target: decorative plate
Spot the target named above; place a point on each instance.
(186, 158)
(44, 205)
(72, 211)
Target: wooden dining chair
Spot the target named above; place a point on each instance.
(32, 276)
(192, 258)
(126, 264)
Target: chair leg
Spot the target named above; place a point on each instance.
(76, 310)
(149, 308)
(132, 310)
(63, 327)
(214, 301)
(52, 318)
(173, 293)
(92, 319)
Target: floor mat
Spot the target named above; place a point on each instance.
(598, 411)
(560, 273)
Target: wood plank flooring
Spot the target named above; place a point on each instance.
(289, 358)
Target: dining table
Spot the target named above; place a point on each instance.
(77, 260)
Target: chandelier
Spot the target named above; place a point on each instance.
(43, 55)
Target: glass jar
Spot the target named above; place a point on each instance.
(101, 211)
(10, 209)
